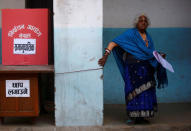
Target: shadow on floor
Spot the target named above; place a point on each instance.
(168, 113)
(170, 117)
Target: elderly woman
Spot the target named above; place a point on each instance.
(133, 52)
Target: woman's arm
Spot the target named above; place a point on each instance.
(111, 45)
(108, 50)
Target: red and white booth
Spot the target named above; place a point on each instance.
(25, 36)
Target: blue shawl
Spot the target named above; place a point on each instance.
(131, 41)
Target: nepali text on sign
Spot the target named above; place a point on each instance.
(17, 88)
(24, 46)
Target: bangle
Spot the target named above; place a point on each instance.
(107, 50)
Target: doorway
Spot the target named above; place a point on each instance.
(46, 80)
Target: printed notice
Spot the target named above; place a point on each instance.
(17, 88)
(163, 62)
(24, 46)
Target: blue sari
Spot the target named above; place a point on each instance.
(138, 71)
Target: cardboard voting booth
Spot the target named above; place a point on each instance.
(25, 41)
(25, 36)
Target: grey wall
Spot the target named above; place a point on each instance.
(163, 13)
(11, 4)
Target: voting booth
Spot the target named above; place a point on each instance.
(25, 41)
(19, 95)
(25, 36)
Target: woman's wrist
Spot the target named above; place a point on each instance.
(107, 51)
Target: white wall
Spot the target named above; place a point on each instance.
(77, 47)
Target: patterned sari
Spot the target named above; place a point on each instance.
(140, 91)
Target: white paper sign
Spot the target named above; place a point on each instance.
(163, 62)
(24, 46)
(17, 88)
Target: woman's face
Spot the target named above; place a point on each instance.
(142, 23)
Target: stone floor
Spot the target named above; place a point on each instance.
(170, 117)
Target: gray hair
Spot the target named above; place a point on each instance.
(137, 19)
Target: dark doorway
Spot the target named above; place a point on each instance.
(46, 81)
(49, 5)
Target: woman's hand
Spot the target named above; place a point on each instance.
(108, 50)
(103, 60)
(163, 55)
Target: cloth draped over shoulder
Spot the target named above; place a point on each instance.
(131, 41)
